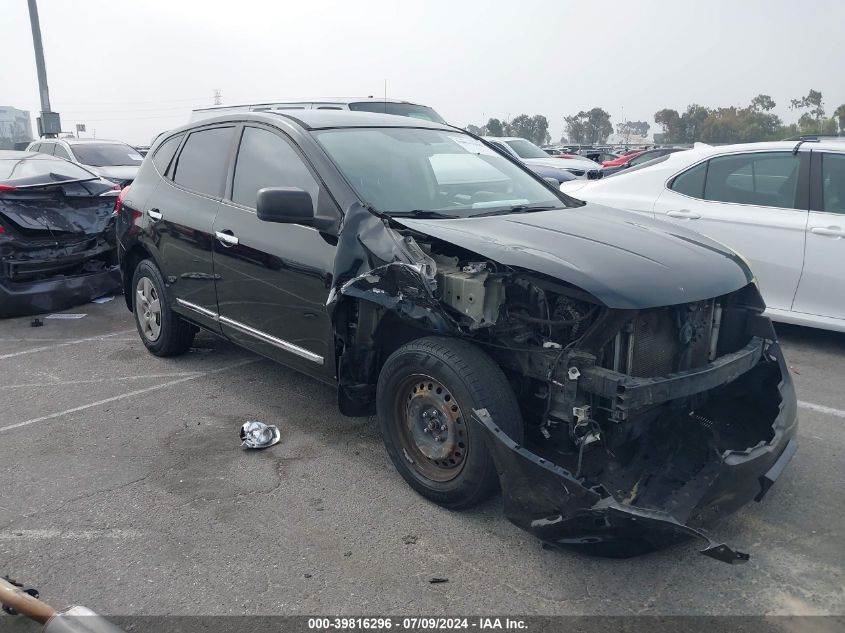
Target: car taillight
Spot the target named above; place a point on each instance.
(7, 187)
(119, 201)
(2, 230)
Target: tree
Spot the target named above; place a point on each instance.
(588, 127)
(474, 129)
(762, 103)
(815, 109)
(534, 128)
(839, 114)
(692, 121)
(670, 121)
(495, 128)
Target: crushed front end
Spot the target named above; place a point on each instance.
(651, 425)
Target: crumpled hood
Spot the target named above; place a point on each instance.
(624, 260)
(115, 172)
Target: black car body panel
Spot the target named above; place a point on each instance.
(613, 255)
(653, 390)
(57, 245)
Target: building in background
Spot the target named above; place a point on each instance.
(15, 128)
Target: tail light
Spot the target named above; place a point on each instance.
(7, 187)
(119, 202)
(2, 230)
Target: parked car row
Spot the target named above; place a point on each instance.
(780, 205)
(113, 160)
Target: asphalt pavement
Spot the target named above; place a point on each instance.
(124, 488)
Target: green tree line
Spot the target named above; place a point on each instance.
(755, 122)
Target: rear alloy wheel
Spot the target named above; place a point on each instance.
(163, 332)
(426, 392)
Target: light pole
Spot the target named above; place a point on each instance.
(49, 123)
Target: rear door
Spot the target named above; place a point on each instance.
(273, 279)
(180, 213)
(754, 202)
(822, 288)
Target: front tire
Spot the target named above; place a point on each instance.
(163, 332)
(426, 392)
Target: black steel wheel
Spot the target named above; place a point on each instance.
(426, 390)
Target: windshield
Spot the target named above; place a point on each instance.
(44, 170)
(106, 154)
(402, 109)
(416, 171)
(526, 149)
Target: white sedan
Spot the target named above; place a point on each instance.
(524, 150)
(781, 205)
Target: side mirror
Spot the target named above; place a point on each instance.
(553, 182)
(286, 205)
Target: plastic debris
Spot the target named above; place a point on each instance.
(105, 299)
(36, 322)
(65, 315)
(437, 581)
(256, 434)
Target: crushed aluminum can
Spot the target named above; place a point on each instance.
(259, 435)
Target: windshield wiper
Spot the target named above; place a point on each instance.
(518, 208)
(421, 213)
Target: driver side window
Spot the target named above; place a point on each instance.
(265, 159)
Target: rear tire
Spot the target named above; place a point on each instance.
(163, 332)
(426, 392)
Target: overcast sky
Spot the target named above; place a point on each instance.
(132, 68)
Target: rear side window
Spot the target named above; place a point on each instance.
(202, 163)
(266, 160)
(36, 147)
(691, 182)
(61, 152)
(47, 148)
(766, 179)
(833, 183)
(165, 152)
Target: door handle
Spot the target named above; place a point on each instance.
(829, 231)
(155, 214)
(227, 238)
(683, 213)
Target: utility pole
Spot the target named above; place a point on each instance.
(49, 123)
(218, 96)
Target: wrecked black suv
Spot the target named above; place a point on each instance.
(614, 375)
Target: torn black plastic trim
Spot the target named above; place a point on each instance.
(629, 393)
(58, 293)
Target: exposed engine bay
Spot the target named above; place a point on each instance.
(633, 418)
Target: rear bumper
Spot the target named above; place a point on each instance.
(548, 501)
(58, 293)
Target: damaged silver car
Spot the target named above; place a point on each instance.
(57, 245)
(613, 375)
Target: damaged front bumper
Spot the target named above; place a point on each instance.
(547, 500)
(57, 293)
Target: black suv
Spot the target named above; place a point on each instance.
(615, 375)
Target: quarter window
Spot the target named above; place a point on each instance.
(165, 152)
(833, 183)
(265, 159)
(763, 179)
(691, 182)
(47, 148)
(61, 152)
(203, 161)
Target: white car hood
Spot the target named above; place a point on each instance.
(563, 163)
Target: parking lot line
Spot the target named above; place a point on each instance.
(94, 381)
(839, 413)
(45, 348)
(69, 535)
(129, 394)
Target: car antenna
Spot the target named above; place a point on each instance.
(804, 139)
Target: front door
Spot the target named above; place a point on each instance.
(273, 279)
(822, 288)
(181, 210)
(755, 203)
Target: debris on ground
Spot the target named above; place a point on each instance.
(410, 539)
(437, 581)
(105, 299)
(256, 434)
(36, 322)
(65, 316)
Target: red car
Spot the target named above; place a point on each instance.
(617, 162)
